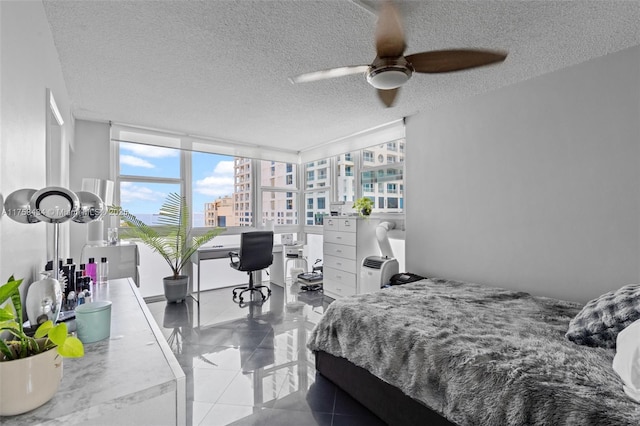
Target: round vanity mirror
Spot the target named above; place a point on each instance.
(17, 206)
(54, 204)
(91, 207)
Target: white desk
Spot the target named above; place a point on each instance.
(131, 378)
(222, 252)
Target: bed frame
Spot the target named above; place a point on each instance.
(385, 401)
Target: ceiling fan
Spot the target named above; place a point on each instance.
(391, 69)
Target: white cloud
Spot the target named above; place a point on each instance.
(130, 160)
(148, 150)
(130, 192)
(224, 168)
(219, 183)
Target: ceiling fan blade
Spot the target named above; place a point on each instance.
(330, 73)
(390, 41)
(439, 61)
(388, 96)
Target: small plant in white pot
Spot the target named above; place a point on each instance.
(363, 206)
(30, 367)
(171, 240)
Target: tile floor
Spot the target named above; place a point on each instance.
(249, 365)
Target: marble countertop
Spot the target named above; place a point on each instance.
(134, 365)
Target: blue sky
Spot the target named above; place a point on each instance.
(212, 177)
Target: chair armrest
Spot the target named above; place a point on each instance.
(233, 254)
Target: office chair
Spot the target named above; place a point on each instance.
(256, 253)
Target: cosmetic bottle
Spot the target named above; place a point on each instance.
(69, 271)
(79, 280)
(92, 270)
(104, 270)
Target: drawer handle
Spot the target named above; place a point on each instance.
(338, 238)
(346, 223)
(338, 251)
(330, 223)
(339, 263)
(339, 289)
(339, 277)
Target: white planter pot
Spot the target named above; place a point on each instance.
(176, 290)
(28, 383)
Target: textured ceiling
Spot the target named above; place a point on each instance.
(220, 69)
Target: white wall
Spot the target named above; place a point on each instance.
(28, 66)
(533, 187)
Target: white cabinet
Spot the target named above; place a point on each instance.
(123, 259)
(347, 241)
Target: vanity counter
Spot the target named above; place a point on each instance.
(132, 377)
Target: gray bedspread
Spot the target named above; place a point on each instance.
(478, 355)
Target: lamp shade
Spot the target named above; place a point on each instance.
(91, 207)
(101, 187)
(54, 204)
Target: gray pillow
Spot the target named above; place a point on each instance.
(601, 319)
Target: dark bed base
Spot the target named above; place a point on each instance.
(385, 401)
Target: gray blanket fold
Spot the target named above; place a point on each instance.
(478, 355)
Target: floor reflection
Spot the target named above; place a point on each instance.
(249, 365)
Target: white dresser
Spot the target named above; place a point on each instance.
(347, 240)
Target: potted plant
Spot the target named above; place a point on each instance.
(30, 367)
(171, 240)
(363, 206)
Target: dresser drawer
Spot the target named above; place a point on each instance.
(348, 225)
(331, 224)
(342, 277)
(333, 237)
(336, 289)
(343, 224)
(339, 250)
(347, 265)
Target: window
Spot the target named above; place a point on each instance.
(144, 198)
(348, 171)
(213, 189)
(317, 191)
(277, 186)
(149, 161)
(148, 174)
(384, 178)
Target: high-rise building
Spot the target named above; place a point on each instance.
(220, 212)
(242, 199)
(279, 206)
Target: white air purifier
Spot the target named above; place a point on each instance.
(376, 271)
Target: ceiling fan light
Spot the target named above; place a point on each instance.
(388, 77)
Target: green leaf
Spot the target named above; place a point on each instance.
(9, 289)
(4, 349)
(58, 334)
(44, 329)
(71, 348)
(6, 314)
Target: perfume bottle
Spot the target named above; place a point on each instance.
(103, 270)
(92, 269)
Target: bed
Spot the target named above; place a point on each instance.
(447, 352)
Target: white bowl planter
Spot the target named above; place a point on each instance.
(28, 383)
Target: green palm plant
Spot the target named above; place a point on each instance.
(171, 239)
